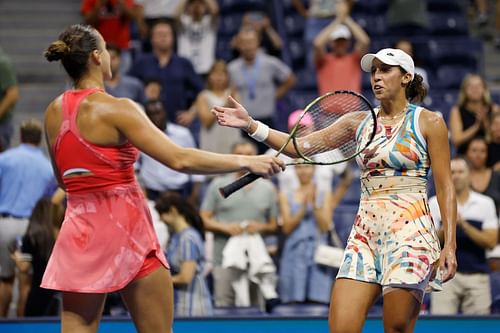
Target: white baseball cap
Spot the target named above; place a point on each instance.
(393, 57)
(341, 31)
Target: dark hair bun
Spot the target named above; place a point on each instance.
(57, 51)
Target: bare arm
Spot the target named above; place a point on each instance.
(207, 119)
(290, 221)
(322, 39)
(186, 273)
(92, 17)
(487, 238)
(436, 135)
(458, 135)
(283, 88)
(210, 224)
(323, 213)
(136, 127)
(339, 192)
(362, 39)
(274, 37)
(9, 99)
(212, 7)
(126, 11)
(180, 9)
(299, 6)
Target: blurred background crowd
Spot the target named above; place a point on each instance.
(254, 252)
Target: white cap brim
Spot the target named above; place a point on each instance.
(367, 61)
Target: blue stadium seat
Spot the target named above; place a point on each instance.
(294, 25)
(306, 80)
(241, 6)
(294, 310)
(445, 6)
(343, 218)
(238, 311)
(451, 76)
(495, 96)
(300, 98)
(448, 24)
(229, 25)
(461, 51)
(370, 7)
(297, 52)
(375, 25)
(223, 49)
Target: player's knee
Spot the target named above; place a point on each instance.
(396, 326)
(343, 326)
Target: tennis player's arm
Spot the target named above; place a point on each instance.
(132, 123)
(436, 134)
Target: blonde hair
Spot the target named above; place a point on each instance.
(462, 95)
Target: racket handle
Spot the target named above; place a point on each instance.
(237, 184)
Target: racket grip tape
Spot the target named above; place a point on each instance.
(237, 184)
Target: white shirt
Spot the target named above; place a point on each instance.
(196, 42)
(158, 8)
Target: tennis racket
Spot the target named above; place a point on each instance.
(333, 128)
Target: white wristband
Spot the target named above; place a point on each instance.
(261, 133)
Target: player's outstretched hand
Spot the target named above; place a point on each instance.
(231, 115)
(264, 165)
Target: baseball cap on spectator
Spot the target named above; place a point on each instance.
(294, 116)
(341, 31)
(393, 57)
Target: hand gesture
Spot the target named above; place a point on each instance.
(264, 165)
(448, 263)
(231, 115)
(185, 118)
(233, 229)
(342, 11)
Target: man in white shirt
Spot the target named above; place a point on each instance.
(477, 231)
(158, 178)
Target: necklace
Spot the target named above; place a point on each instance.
(402, 112)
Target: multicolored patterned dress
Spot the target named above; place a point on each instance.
(393, 241)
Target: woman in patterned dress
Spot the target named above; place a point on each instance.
(107, 242)
(393, 248)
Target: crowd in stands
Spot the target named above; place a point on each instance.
(179, 58)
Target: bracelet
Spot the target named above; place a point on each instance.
(250, 119)
(261, 133)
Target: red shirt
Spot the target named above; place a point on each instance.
(339, 73)
(113, 26)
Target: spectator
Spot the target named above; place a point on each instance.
(9, 94)
(407, 46)
(339, 69)
(255, 74)
(407, 17)
(494, 144)
(25, 176)
(252, 210)
(197, 32)
(270, 40)
(152, 90)
(179, 83)
(477, 231)
(323, 176)
(484, 179)
(318, 15)
(158, 178)
(469, 117)
(307, 217)
(112, 18)
(37, 244)
(150, 12)
(185, 255)
(212, 136)
(120, 85)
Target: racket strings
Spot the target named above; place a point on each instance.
(336, 121)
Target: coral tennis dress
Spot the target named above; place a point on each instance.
(393, 241)
(107, 232)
